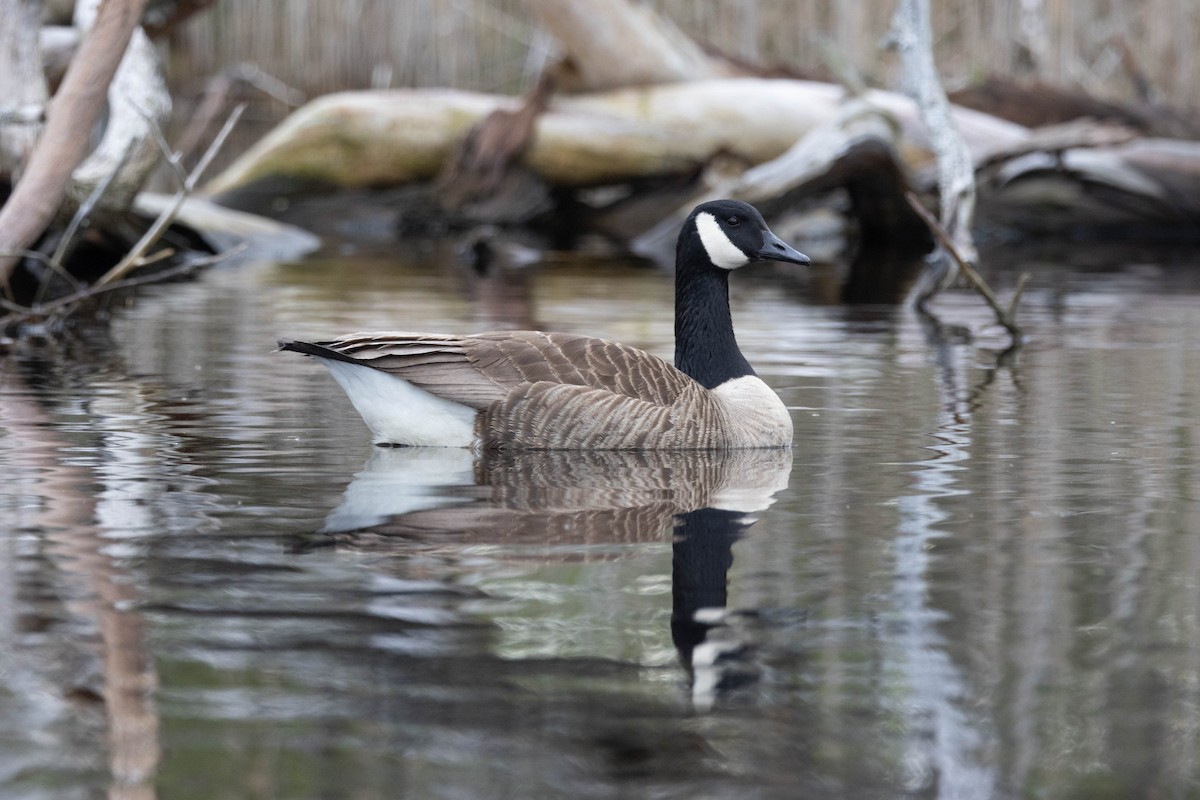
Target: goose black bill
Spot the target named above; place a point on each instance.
(775, 249)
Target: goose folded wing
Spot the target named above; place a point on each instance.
(482, 369)
(515, 358)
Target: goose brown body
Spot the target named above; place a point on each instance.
(550, 391)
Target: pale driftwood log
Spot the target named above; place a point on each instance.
(250, 237)
(810, 158)
(618, 43)
(389, 138)
(23, 92)
(36, 197)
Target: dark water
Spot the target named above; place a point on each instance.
(974, 577)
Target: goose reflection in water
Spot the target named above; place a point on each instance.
(582, 504)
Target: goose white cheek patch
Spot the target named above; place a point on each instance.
(721, 252)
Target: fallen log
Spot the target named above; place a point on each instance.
(391, 138)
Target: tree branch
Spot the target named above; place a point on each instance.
(72, 113)
(67, 303)
(132, 259)
(81, 214)
(1005, 317)
(912, 36)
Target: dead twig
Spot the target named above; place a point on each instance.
(67, 303)
(136, 258)
(1005, 317)
(53, 265)
(63, 250)
(174, 159)
(133, 258)
(217, 95)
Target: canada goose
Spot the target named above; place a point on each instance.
(558, 391)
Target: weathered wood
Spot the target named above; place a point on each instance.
(1135, 187)
(138, 107)
(360, 139)
(1036, 104)
(912, 36)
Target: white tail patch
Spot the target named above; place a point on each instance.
(721, 252)
(399, 413)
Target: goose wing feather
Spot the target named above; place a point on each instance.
(482, 369)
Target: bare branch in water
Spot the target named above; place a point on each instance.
(1005, 317)
(49, 261)
(116, 278)
(64, 305)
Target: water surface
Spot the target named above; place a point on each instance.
(976, 575)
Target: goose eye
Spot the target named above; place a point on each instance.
(734, 221)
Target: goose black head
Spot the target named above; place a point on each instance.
(732, 234)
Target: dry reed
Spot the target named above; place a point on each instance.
(327, 45)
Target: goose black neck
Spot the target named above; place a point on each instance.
(705, 347)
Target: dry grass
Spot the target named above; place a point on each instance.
(325, 45)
